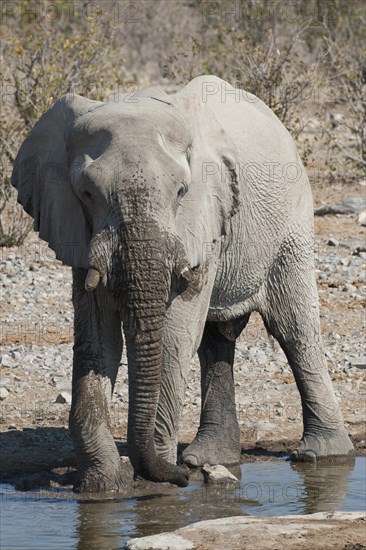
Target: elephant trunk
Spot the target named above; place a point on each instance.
(137, 263)
(146, 277)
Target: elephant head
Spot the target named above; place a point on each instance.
(134, 192)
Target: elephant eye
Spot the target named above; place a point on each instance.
(87, 194)
(182, 190)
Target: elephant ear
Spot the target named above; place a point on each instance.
(41, 176)
(213, 196)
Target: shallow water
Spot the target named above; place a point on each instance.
(58, 519)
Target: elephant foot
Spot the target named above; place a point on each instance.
(95, 481)
(223, 448)
(314, 447)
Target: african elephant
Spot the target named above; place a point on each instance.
(180, 215)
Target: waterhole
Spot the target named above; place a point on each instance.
(59, 519)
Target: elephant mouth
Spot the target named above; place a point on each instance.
(106, 264)
(191, 280)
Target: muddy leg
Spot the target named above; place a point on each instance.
(97, 353)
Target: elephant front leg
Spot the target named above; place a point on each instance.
(91, 433)
(218, 437)
(97, 353)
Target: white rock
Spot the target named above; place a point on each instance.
(362, 218)
(218, 474)
(3, 394)
(166, 541)
(261, 532)
(261, 358)
(353, 205)
(337, 119)
(264, 429)
(6, 361)
(63, 397)
(63, 385)
(359, 362)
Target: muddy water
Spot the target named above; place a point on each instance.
(58, 519)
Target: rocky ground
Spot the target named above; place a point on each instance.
(339, 531)
(36, 356)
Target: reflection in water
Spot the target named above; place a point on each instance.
(266, 488)
(324, 484)
(100, 525)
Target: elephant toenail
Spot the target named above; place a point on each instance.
(295, 455)
(191, 460)
(309, 456)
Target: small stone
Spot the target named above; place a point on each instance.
(333, 242)
(62, 385)
(63, 397)
(59, 374)
(263, 429)
(243, 369)
(362, 218)
(218, 474)
(261, 358)
(334, 336)
(271, 367)
(349, 288)
(6, 361)
(3, 394)
(354, 205)
(359, 362)
(337, 119)
(358, 250)
(15, 355)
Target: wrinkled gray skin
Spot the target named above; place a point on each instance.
(180, 215)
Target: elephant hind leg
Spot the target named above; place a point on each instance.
(291, 315)
(218, 437)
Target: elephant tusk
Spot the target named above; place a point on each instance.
(92, 279)
(196, 279)
(187, 273)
